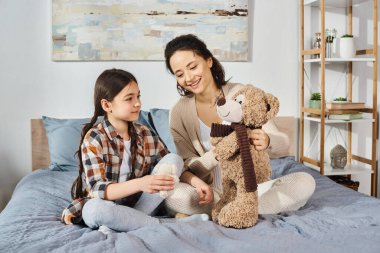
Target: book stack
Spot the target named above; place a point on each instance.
(348, 116)
(344, 110)
(343, 105)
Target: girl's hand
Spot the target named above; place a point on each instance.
(259, 139)
(205, 193)
(156, 183)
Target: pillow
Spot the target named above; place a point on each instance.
(145, 119)
(63, 138)
(160, 119)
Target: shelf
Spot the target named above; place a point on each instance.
(338, 121)
(350, 169)
(341, 60)
(334, 3)
(362, 57)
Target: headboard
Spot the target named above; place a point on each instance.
(40, 146)
(41, 155)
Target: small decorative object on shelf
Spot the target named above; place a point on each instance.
(317, 44)
(340, 99)
(346, 46)
(330, 42)
(338, 157)
(315, 100)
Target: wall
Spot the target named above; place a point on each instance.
(32, 85)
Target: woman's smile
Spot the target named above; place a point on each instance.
(195, 84)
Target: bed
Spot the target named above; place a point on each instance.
(335, 219)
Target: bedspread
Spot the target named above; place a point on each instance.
(335, 219)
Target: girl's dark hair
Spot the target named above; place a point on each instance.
(107, 86)
(191, 42)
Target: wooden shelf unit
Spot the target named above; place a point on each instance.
(363, 55)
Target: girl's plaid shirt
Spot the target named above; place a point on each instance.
(102, 154)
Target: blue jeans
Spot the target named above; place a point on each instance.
(97, 212)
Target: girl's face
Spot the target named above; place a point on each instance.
(126, 104)
(192, 72)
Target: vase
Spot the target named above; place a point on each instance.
(315, 104)
(347, 47)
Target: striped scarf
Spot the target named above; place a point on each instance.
(220, 130)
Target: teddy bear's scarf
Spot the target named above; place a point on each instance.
(220, 130)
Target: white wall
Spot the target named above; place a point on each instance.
(32, 85)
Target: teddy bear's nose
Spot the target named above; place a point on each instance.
(221, 101)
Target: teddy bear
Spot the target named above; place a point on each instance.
(242, 166)
(169, 170)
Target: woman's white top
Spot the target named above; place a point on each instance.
(205, 141)
(126, 164)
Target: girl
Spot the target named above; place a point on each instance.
(116, 160)
(201, 82)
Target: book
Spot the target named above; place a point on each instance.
(341, 111)
(345, 105)
(349, 116)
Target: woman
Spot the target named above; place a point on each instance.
(201, 81)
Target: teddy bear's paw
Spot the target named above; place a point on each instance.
(215, 214)
(237, 223)
(169, 170)
(165, 194)
(238, 216)
(216, 209)
(237, 220)
(165, 169)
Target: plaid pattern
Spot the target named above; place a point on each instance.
(102, 154)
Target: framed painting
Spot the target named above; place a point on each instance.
(133, 30)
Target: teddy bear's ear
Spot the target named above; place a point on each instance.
(273, 105)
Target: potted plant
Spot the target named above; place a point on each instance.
(315, 100)
(346, 46)
(340, 100)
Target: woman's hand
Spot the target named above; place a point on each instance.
(156, 183)
(205, 192)
(259, 139)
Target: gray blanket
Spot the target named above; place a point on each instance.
(335, 219)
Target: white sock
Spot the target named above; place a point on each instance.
(194, 217)
(106, 230)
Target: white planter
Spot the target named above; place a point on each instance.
(347, 47)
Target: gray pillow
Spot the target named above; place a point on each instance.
(160, 118)
(63, 138)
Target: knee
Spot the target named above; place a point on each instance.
(177, 160)
(93, 210)
(170, 164)
(306, 182)
(301, 182)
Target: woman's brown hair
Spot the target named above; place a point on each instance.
(107, 86)
(191, 42)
